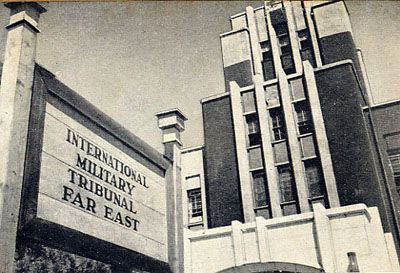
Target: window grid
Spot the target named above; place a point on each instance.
(395, 166)
(195, 205)
(253, 130)
(260, 190)
(286, 184)
(304, 122)
(267, 61)
(282, 33)
(314, 181)
(278, 125)
(306, 50)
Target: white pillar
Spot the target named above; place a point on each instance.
(15, 103)
(321, 137)
(242, 154)
(324, 239)
(172, 123)
(295, 152)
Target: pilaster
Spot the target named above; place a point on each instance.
(313, 34)
(324, 238)
(267, 149)
(274, 44)
(171, 123)
(293, 36)
(262, 239)
(242, 154)
(255, 44)
(237, 242)
(295, 152)
(15, 104)
(321, 137)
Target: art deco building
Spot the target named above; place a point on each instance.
(296, 126)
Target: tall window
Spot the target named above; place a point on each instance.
(304, 121)
(253, 130)
(395, 165)
(306, 50)
(260, 190)
(267, 61)
(278, 125)
(314, 179)
(285, 48)
(286, 183)
(195, 206)
(248, 102)
(288, 190)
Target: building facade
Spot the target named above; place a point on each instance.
(296, 128)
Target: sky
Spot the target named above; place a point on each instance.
(134, 59)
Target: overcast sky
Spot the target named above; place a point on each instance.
(134, 59)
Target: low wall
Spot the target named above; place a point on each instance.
(319, 239)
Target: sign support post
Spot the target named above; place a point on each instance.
(15, 101)
(172, 123)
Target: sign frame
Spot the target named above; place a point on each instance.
(47, 89)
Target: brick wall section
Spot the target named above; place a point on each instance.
(348, 138)
(221, 171)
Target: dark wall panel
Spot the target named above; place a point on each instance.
(348, 138)
(339, 47)
(221, 172)
(241, 73)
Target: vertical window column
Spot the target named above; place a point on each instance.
(306, 48)
(294, 146)
(285, 48)
(320, 136)
(241, 148)
(267, 60)
(315, 182)
(270, 174)
(287, 190)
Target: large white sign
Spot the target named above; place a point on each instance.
(89, 185)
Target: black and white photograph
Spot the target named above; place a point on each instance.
(200, 136)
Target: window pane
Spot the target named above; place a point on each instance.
(195, 206)
(255, 158)
(253, 130)
(287, 63)
(281, 153)
(286, 183)
(248, 102)
(314, 180)
(278, 125)
(395, 166)
(264, 212)
(297, 89)
(307, 55)
(289, 209)
(259, 188)
(271, 95)
(268, 69)
(307, 146)
(304, 121)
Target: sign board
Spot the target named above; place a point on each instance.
(90, 186)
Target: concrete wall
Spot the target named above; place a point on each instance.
(335, 37)
(193, 178)
(236, 57)
(319, 239)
